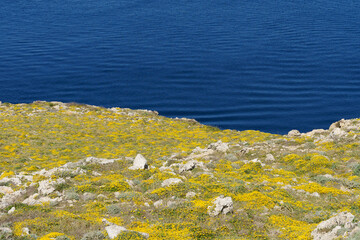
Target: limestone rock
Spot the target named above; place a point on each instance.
(139, 163)
(187, 166)
(48, 186)
(5, 230)
(222, 205)
(269, 158)
(114, 230)
(25, 231)
(190, 194)
(219, 146)
(13, 180)
(158, 203)
(6, 190)
(11, 198)
(35, 199)
(337, 133)
(329, 229)
(101, 161)
(11, 211)
(170, 181)
(294, 133)
(340, 124)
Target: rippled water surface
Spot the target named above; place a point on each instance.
(265, 65)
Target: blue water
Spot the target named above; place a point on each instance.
(249, 64)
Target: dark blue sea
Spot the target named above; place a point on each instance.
(272, 65)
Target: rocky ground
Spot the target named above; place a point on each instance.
(71, 171)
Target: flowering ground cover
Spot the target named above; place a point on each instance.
(64, 174)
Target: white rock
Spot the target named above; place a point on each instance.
(337, 133)
(269, 158)
(328, 229)
(6, 190)
(25, 231)
(354, 231)
(11, 211)
(294, 133)
(114, 230)
(315, 131)
(170, 181)
(5, 230)
(139, 163)
(13, 180)
(315, 194)
(190, 165)
(158, 203)
(11, 198)
(219, 146)
(101, 161)
(48, 186)
(222, 205)
(31, 200)
(190, 194)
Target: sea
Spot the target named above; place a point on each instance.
(272, 65)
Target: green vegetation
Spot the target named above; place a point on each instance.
(64, 194)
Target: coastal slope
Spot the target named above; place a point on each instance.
(73, 171)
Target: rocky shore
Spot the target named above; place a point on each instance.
(72, 171)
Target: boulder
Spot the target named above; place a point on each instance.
(187, 166)
(48, 186)
(222, 205)
(6, 190)
(158, 203)
(190, 194)
(294, 133)
(219, 146)
(337, 133)
(101, 161)
(11, 211)
(331, 228)
(5, 230)
(170, 181)
(114, 230)
(11, 198)
(269, 158)
(139, 163)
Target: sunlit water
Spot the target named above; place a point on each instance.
(265, 65)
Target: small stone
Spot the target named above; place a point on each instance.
(187, 166)
(315, 194)
(101, 161)
(222, 205)
(139, 163)
(328, 229)
(190, 194)
(25, 231)
(101, 196)
(170, 181)
(219, 146)
(158, 203)
(89, 196)
(5, 230)
(269, 158)
(114, 230)
(6, 190)
(11, 211)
